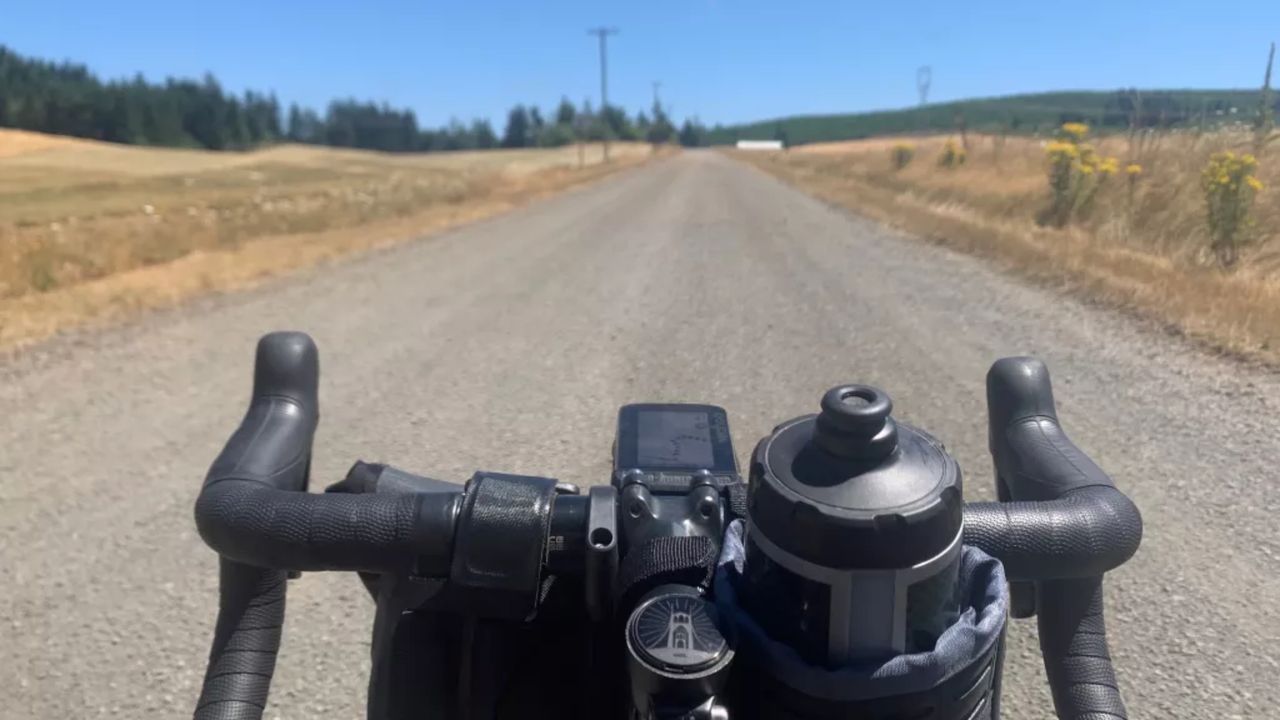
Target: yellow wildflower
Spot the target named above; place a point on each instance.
(1058, 147)
(1086, 169)
(1229, 187)
(1133, 169)
(1075, 130)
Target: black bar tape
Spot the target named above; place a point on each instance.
(245, 643)
(1073, 640)
(1082, 534)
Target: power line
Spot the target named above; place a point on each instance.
(603, 33)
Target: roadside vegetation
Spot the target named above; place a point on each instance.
(92, 230)
(117, 195)
(1180, 226)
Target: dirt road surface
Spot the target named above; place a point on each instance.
(509, 344)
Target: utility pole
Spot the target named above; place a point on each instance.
(603, 33)
(924, 78)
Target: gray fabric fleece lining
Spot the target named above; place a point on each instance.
(980, 625)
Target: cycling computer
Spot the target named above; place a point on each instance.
(674, 440)
(672, 464)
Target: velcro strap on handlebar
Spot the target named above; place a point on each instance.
(666, 561)
(500, 543)
(737, 500)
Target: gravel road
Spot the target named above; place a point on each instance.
(509, 344)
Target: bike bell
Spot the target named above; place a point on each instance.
(854, 533)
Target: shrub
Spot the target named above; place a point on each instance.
(555, 136)
(952, 157)
(1132, 172)
(1229, 186)
(902, 154)
(1076, 174)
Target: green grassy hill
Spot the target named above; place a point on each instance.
(1022, 114)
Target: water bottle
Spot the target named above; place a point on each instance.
(853, 539)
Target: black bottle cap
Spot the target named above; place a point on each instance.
(850, 488)
(855, 423)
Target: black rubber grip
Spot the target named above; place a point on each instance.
(1064, 526)
(1073, 639)
(1085, 533)
(272, 446)
(1034, 458)
(245, 642)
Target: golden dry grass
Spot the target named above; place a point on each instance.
(20, 142)
(92, 230)
(1147, 253)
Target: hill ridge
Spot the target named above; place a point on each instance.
(1021, 113)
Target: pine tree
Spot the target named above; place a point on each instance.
(565, 112)
(517, 133)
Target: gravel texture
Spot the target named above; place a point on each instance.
(510, 343)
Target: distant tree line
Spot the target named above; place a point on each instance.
(67, 99)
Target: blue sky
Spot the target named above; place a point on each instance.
(720, 60)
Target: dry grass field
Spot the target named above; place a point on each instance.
(1143, 244)
(94, 230)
